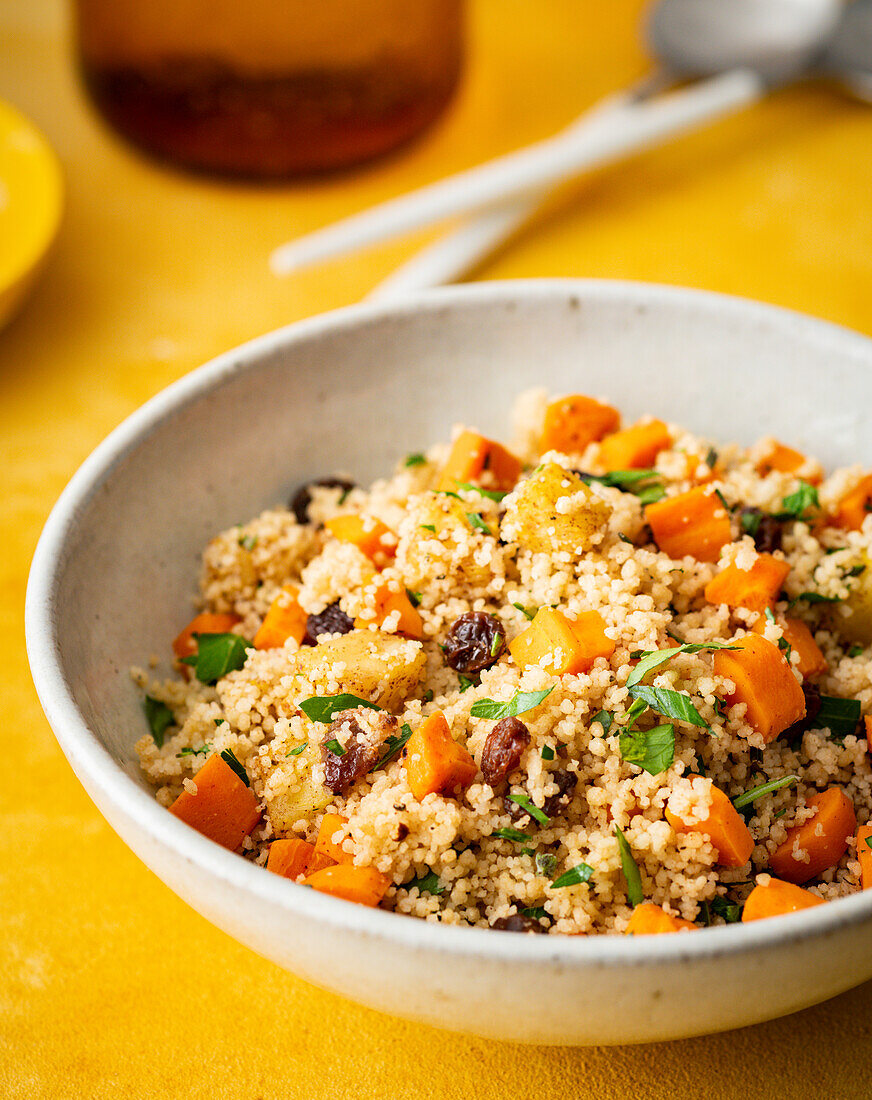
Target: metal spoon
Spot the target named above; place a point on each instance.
(848, 56)
(633, 127)
(776, 39)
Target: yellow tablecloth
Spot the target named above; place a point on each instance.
(109, 985)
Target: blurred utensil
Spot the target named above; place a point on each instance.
(782, 36)
(848, 55)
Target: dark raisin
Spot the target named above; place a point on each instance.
(517, 922)
(402, 831)
(301, 500)
(332, 620)
(763, 528)
(566, 782)
(362, 746)
(474, 642)
(503, 748)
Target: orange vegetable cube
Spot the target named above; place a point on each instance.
(292, 858)
(635, 448)
(387, 601)
(285, 619)
(764, 683)
(777, 898)
(364, 885)
(224, 809)
(785, 460)
(367, 533)
(855, 505)
(693, 524)
(823, 839)
(208, 622)
(755, 588)
(801, 640)
(571, 423)
(330, 837)
(476, 459)
(864, 855)
(570, 645)
(435, 763)
(649, 919)
(724, 827)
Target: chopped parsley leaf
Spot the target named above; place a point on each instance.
(428, 695)
(491, 494)
(416, 459)
(839, 716)
(159, 718)
(334, 746)
(512, 834)
(527, 612)
(520, 703)
(524, 802)
(188, 751)
(297, 750)
(654, 658)
(796, 505)
(393, 744)
(324, 708)
(535, 912)
(217, 654)
(466, 682)
(604, 718)
(229, 757)
(855, 651)
(711, 458)
(671, 704)
(248, 542)
(729, 911)
(546, 864)
(651, 750)
(575, 876)
(496, 644)
(635, 896)
(428, 884)
(414, 597)
(476, 521)
(428, 527)
(547, 752)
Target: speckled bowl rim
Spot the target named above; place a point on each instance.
(96, 768)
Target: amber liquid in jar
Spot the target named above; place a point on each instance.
(270, 88)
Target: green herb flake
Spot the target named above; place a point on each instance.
(669, 703)
(229, 757)
(512, 834)
(324, 708)
(524, 802)
(393, 744)
(651, 750)
(428, 695)
(723, 500)
(428, 527)
(414, 597)
(630, 869)
(856, 651)
(750, 521)
(428, 884)
(749, 796)
(546, 864)
(839, 716)
(248, 542)
(466, 682)
(651, 494)
(654, 658)
(476, 521)
(159, 718)
(520, 703)
(547, 752)
(729, 911)
(527, 612)
(416, 459)
(299, 749)
(815, 597)
(496, 644)
(796, 505)
(535, 912)
(188, 751)
(605, 720)
(868, 841)
(711, 458)
(575, 876)
(625, 538)
(217, 654)
(491, 494)
(855, 571)
(334, 746)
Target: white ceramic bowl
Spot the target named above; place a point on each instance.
(355, 389)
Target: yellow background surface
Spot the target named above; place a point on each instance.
(110, 986)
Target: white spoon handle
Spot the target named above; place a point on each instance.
(528, 170)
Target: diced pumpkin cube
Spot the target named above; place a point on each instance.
(435, 763)
(764, 683)
(724, 827)
(755, 588)
(864, 855)
(481, 461)
(387, 602)
(694, 524)
(785, 460)
(635, 448)
(818, 843)
(649, 919)
(855, 505)
(573, 422)
(568, 645)
(224, 809)
(292, 858)
(801, 641)
(285, 619)
(185, 645)
(777, 898)
(363, 885)
(554, 511)
(367, 533)
(330, 836)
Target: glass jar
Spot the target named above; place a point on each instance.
(269, 88)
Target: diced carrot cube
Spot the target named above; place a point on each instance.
(855, 505)
(755, 588)
(571, 423)
(387, 601)
(764, 683)
(330, 837)
(864, 855)
(649, 919)
(785, 460)
(777, 898)
(285, 619)
(363, 885)
(224, 809)
(482, 461)
(569, 645)
(435, 763)
(801, 640)
(724, 827)
(693, 524)
(367, 533)
(823, 838)
(208, 622)
(635, 448)
(292, 858)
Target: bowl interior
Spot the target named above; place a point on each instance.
(357, 390)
